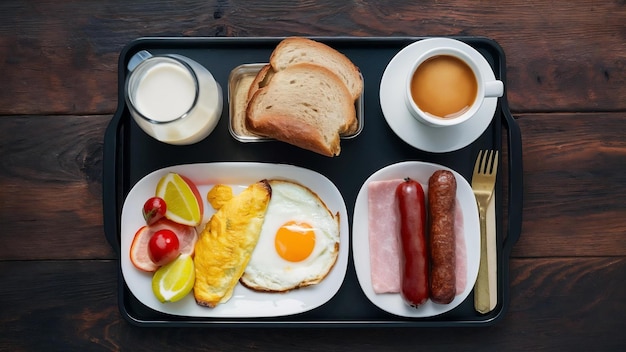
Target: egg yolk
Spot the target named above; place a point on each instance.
(294, 241)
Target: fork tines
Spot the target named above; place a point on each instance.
(487, 162)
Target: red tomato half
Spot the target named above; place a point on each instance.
(163, 247)
(153, 210)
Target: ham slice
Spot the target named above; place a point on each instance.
(384, 229)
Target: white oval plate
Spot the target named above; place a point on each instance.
(245, 303)
(421, 172)
(409, 129)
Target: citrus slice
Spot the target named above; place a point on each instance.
(174, 280)
(139, 250)
(184, 203)
(187, 235)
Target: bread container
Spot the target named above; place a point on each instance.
(239, 82)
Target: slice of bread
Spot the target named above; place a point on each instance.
(261, 79)
(294, 50)
(304, 104)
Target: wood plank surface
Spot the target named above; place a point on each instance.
(566, 86)
(574, 177)
(66, 52)
(556, 304)
(571, 173)
(52, 187)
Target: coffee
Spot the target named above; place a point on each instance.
(444, 86)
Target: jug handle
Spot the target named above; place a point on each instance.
(138, 58)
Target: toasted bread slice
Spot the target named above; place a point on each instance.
(261, 79)
(306, 105)
(294, 50)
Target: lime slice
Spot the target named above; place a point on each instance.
(182, 198)
(175, 280)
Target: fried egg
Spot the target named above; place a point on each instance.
(298, 244)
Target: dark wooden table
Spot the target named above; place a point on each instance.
(566, 85)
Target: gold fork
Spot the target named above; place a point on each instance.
(483, 184)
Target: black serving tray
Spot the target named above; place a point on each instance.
(130, 154)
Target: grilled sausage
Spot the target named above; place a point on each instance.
(414, 252)
(441, 209)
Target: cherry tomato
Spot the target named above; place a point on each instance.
(163, 247)
(153, 210)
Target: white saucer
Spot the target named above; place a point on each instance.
(415, 133)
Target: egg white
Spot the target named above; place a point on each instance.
(266, 270)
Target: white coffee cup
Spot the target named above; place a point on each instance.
(442, 81)
(172, 98)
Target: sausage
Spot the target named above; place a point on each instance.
(441, 210)
(414, 250)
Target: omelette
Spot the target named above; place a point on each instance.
(226, 244)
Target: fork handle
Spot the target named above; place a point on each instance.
(485, 289)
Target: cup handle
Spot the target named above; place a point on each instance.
(138, 58)
(494, 89)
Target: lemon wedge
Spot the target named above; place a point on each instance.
(175, 280)
(184, 203)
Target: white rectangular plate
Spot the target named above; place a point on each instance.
(245, 303)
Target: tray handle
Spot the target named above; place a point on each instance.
(110, 178)
(514, 144)
(516, 186)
